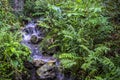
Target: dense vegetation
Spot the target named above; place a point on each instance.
(83, 34)
(12, 53)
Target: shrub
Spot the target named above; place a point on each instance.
(12, 53)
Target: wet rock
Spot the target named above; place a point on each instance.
(38, 63)
(42, 60)
(34, 39)
(46, 71)
(46, 67)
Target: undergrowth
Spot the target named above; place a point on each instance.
(83, 33)
(12, 53)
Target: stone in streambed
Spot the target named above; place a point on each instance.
(38, 63)
(46, 71)
(34, 39)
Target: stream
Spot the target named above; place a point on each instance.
(45, 67)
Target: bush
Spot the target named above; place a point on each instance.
(12, 53)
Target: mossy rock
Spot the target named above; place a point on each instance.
(34, 39)
(46, 71)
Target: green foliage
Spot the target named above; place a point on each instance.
(12, 53)
(88, 42)
(69, 59)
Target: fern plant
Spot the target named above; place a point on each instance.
(12, 53)
(81, 33)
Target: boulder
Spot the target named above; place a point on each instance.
(46, 67)
(46, 71)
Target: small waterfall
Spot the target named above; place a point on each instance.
(32, 35)
(46, 67)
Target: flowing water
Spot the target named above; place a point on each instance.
(32, 35)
